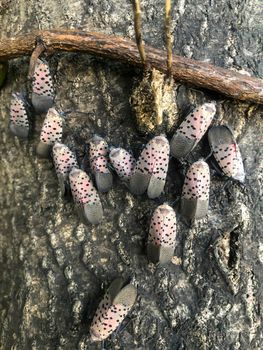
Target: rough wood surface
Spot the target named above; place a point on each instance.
(54, 270)
(185, 70)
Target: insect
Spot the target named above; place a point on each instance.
(51, 132)
(226, 152)
(195, 195)
(19, 123)
(42, 87)
(64, 161)
(123, 163)
(114, 307)
(161, 240)
(191, 130)
(85, 197)
(151, 168)
(99, 153)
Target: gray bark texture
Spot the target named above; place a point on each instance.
(54, 270)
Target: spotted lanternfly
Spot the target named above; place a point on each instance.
(99, 155)
(195, 195)
(19, 124)
(191, 130)
(151, 168)
(51, 132)
(64, 161)
(85, 196)
(123, 163)
(226, 152)
(112, 310)
(42, 89)
(161, 240)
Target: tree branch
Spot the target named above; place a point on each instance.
(184, 70)
(168, 37)
(138, 29)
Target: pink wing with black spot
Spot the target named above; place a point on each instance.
(151, 168)
(112, 310)
(82, 188)
(197, 181)
(196, 123)
(226, 152)
(64, 159)
(98, 147)
(42, 81)
(51, 132)
(19, 123)
(52, 128)
(107, 318)
(85, 196)
(163, 226)
(154, 157)
(98, 153)
(100, 165)
(192, 129)
(195, 194)
(161, 240)
(42, 87)
(123, 163)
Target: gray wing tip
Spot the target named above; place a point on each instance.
(19, 131)
(181, 146)
(43, 150)
(104, 181)
(155, 187)
(220, 134)
(240, 177)
(93, 213)
(115, 287)
(194, 209)
(139, 183)
(96, 138)
(41, 103)
(158, 254)
(126, 296)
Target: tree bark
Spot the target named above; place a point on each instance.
(54, 270)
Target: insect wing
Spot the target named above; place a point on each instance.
(191, 130)
(85, 196)
(112, 310)
(19, 124)
(195, 194)
(99, 163)
(161, 240)
(42, 87)
(64, 161)
(51, 132)
(226, 152)
(123, 163)
(151, 168)
(160, 154)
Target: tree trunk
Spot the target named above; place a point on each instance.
(54, 270)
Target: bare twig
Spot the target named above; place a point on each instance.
(168, 38)
(39, 49)
(185, 70)
(138, 29)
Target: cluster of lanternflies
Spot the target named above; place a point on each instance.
(147, 174)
